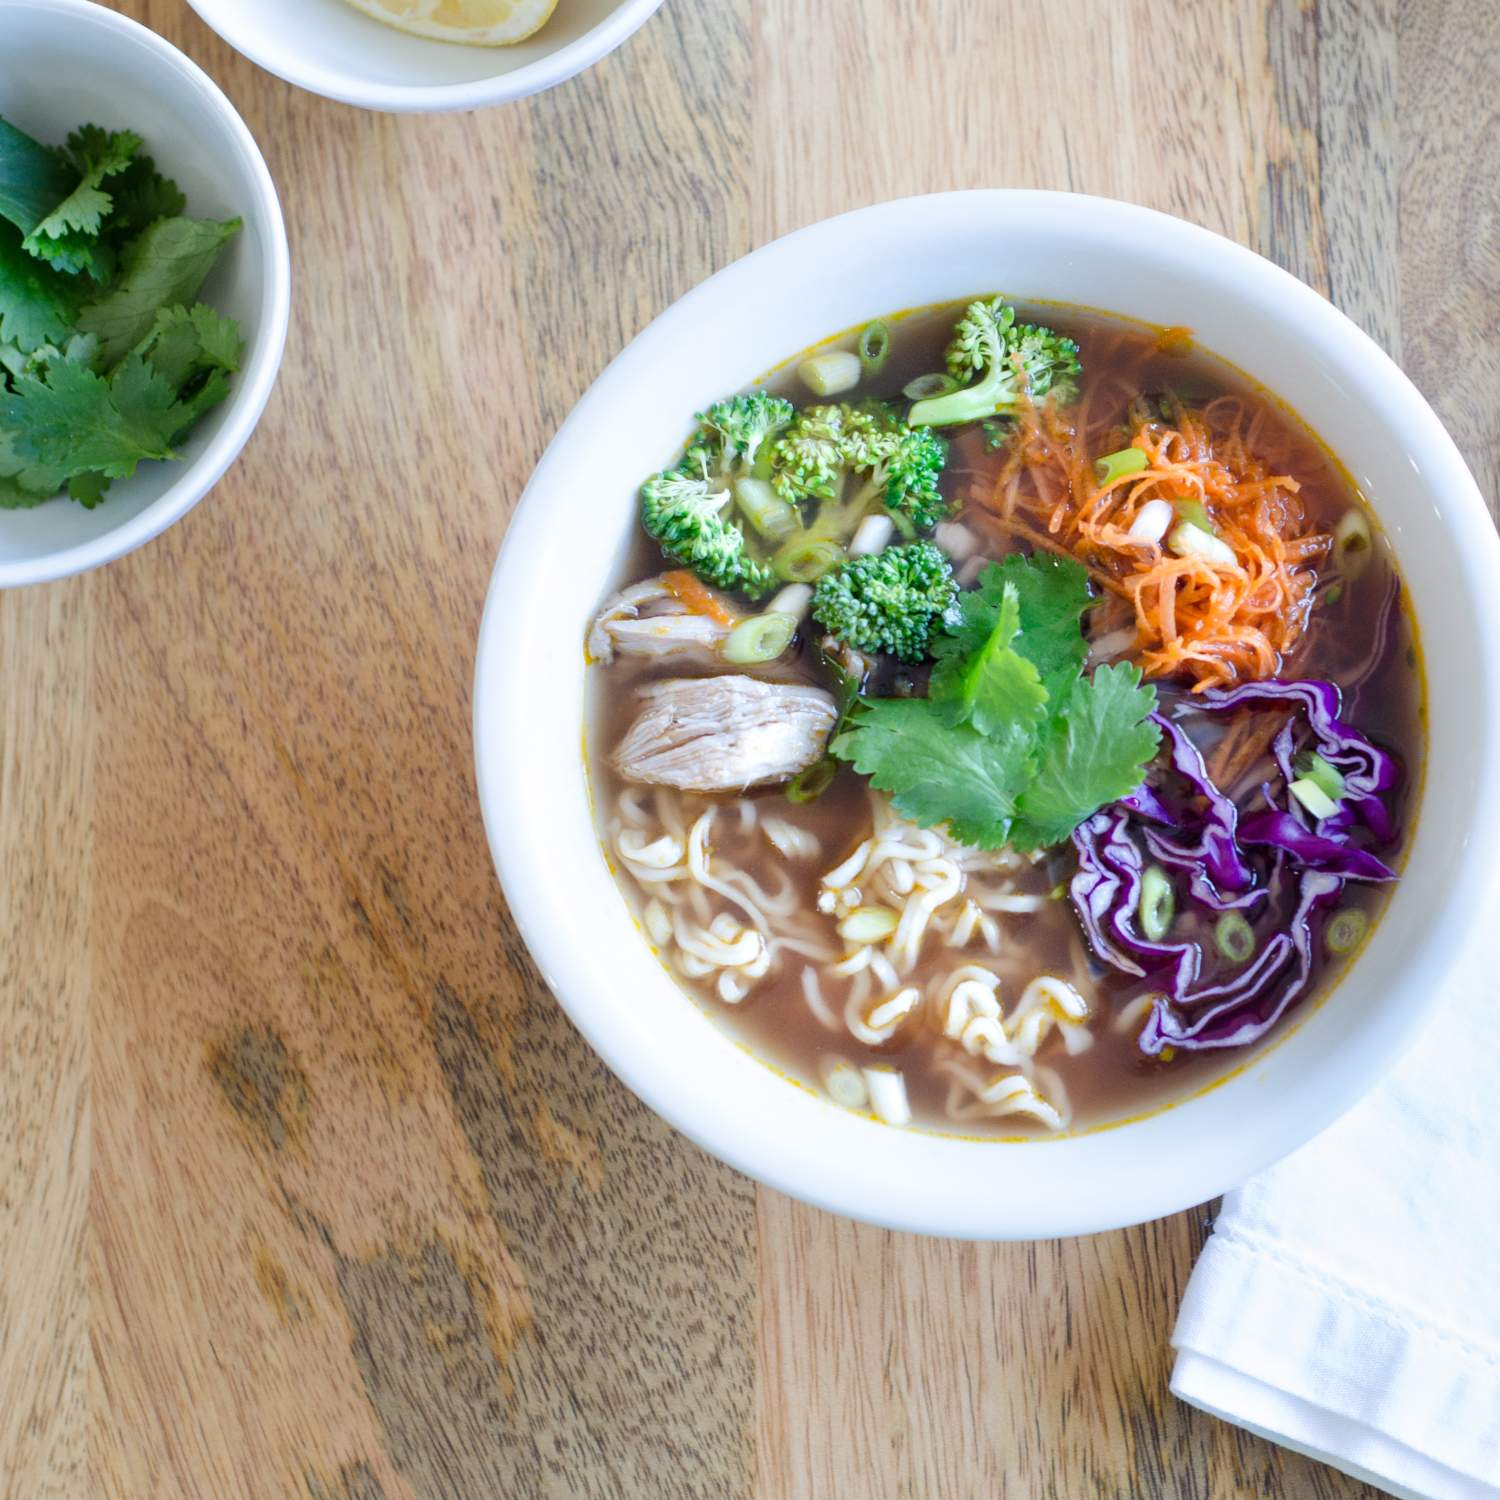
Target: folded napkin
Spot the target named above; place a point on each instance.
(1347, 1304)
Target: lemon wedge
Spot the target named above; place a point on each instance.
(479, 23)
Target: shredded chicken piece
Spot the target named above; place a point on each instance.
(648, 619)
(720, 734)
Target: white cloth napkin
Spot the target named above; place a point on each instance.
(1347, 1304)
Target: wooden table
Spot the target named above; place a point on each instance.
(307, 1188)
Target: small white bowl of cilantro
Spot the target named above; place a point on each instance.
(144, 287)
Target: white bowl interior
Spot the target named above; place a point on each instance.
(333, 49)
(64, 63)
(564, 544)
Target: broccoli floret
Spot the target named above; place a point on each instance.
(899, 464)
(757, 453)
(744, 423)
(684, 512)
(1009, 357)
(684, 508)
(809, 457)
(889, 601)
(911, 476)
(872, 432)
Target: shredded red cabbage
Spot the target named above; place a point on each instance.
(1235, 1017)
(1311, 850)
(1208, 845)
(1206, 850)
(1366, 771)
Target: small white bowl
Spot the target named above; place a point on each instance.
(68, 62)
(329, 48)
(564, 545)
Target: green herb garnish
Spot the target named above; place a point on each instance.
(105, 357)
(1014, 744)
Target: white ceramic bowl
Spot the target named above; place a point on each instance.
(330, 48)
(65, 62)
(565, 542)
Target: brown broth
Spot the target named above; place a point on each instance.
(1111, 1080)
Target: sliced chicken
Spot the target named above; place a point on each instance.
(722, 734)
(648, 619)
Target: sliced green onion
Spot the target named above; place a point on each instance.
(829, 373)
(1193, 513)
(1188, 540)
(1116, 465)
(873, 534)
(793, 600)
(1234, 937)
(807, 559)
(869, 924)
(1313, 798)
(846, 1087)
(874, 347)
(808, 785)
(772, 516)
(1328, 779)
(1346, 930)
(929, 387)
(1158, 902)
(757, 639)
(1352, 543)
(1334, 594)
(1151, 522)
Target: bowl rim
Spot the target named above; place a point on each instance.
(621, 1038)
(254, 384)
(445, 98)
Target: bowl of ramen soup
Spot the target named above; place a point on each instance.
(985, 716)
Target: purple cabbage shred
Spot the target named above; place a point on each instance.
(1298, 869)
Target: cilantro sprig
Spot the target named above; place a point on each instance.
(105, 356)
(1014, 743)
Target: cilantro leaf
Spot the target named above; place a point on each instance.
(938, 773)
(33, 179)
(186, 342)
(76, 420)
(96, 152)
(1092, 752)
(1012, 743)
(994, 687)
(209, 394)
(37, 304)
(87, 488)
(1052, 592)
(142, 196)
(14, 497)
(68, 236)
(23, 481)
(87, 391)
(162, 266)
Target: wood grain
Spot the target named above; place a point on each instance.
(47, 737)
(307, 1186)
(1449, 148)
(1022, 1372)
(1357, 107)
(368, 1214)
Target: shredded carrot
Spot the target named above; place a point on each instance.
(699, 598)
(1216, 622)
